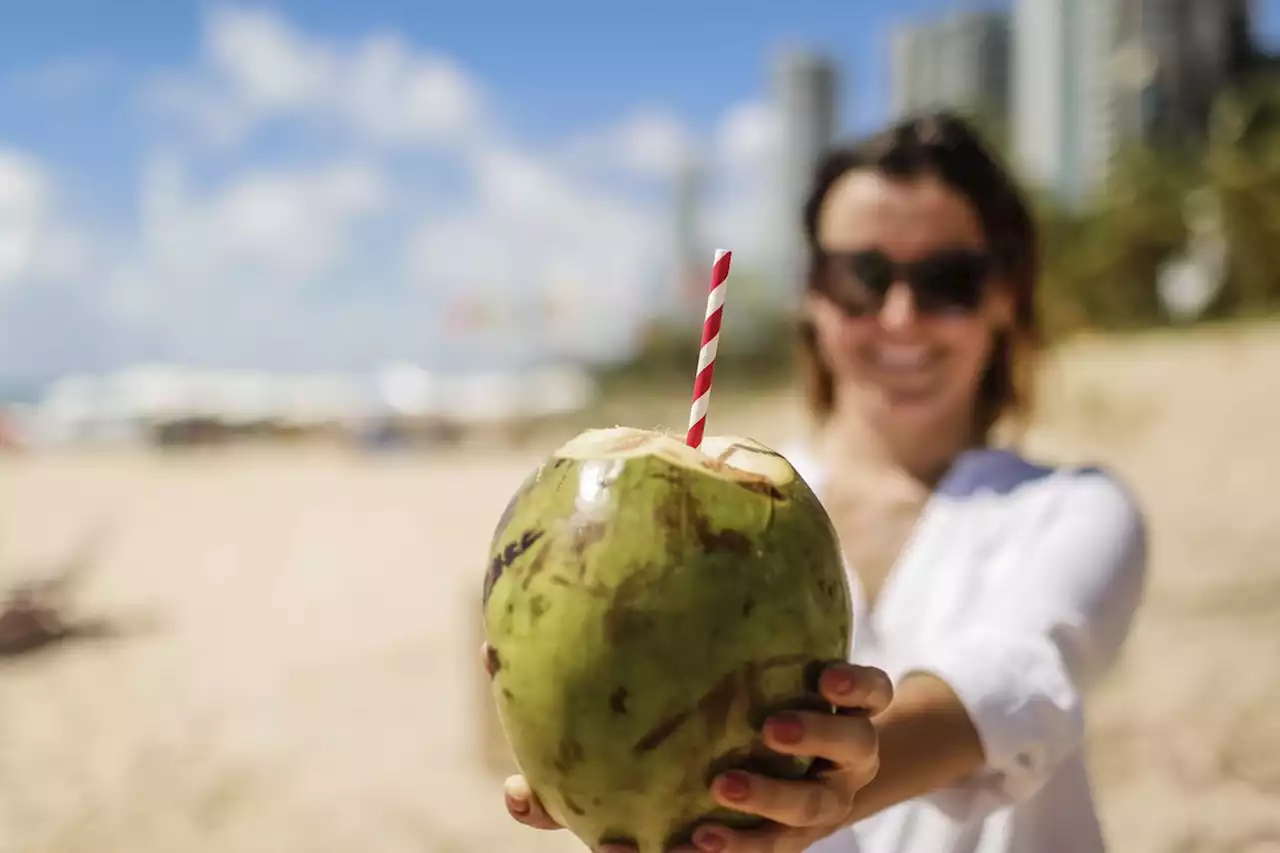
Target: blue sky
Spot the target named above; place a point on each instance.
(552, 65)
(168, 197)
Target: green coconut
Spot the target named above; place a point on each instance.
(647, 605)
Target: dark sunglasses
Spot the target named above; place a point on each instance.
(952, 281)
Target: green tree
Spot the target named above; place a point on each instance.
(1102, 258)
(1243, 168)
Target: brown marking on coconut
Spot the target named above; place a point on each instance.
(494, 661)
(715, 706)
(617, 839)
(585, 534)
(537, 607)
(764, 487)
(490, 740)
(573, 806)
(683, 512)
(507, 558)
(568, 753)
(620, 619)
(712, 541)
(665, 728)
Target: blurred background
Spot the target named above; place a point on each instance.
(293, 295)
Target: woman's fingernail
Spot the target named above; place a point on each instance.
(517, 793)
(735, 785)
(840, 681)
(786, 728)
(709, 840)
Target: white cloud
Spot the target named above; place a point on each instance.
(398, 98)
(257, 67)
(23, 207)
(748, 136)
(527, 229)
(33, 244)
(337, 260)
(288, 226)
(736, 159)
(741, 211)
(266, 62)
(235, 271)
(533, 236)
(654, 143)
(650, 142)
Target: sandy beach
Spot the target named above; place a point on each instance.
(301, 671)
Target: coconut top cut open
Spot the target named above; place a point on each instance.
(732, 458)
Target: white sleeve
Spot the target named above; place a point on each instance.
(1050, 623)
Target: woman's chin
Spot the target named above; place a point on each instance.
(916, 409)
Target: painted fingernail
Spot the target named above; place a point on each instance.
(735, 785)
(786, 728)
(840, 681)
(517, 795)
(709, 840)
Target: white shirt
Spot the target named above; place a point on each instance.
(1017, 588)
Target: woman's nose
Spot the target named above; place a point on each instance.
(899, 309)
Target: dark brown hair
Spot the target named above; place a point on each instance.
(946, 147)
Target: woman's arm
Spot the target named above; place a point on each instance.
(1000, 702)
(927, 742)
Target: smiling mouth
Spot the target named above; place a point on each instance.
(903, 359)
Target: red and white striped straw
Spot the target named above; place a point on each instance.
(710, 344)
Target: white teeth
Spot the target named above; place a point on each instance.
(902, 357)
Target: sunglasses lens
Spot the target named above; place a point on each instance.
(949, 283)
(873, 270)
(854, 282)
(945, 283)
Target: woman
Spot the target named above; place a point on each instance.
(989, 590)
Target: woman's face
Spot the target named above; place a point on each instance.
(905, 308)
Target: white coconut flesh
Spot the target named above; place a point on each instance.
(727, 457)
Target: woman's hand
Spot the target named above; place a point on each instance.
(805, 812)
(801, 812)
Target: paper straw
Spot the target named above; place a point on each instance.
(710, 345)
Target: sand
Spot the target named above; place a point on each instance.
(302, 676)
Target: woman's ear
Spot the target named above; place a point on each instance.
(1000, 306)
(811, 305)
(822, 317)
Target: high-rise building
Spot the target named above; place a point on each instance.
(1097, 93)
(1198, 49)
(690, 255)
(960, 62)
(1089, 74)
(804, 94)
(1064, 92)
